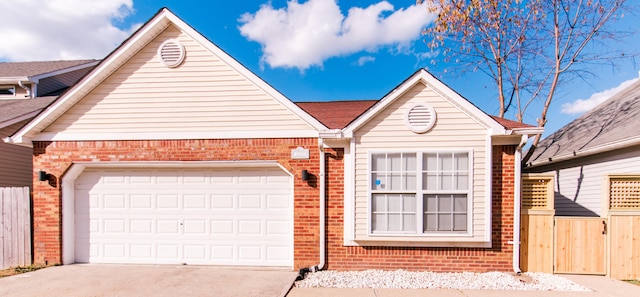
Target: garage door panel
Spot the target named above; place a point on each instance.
(197, 216)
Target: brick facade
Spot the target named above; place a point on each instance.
(57, 157)
(497, 258)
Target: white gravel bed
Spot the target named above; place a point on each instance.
(401, 279)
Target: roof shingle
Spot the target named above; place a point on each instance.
(18, 69)
(336, 114)
(15, 108)
(616, 120)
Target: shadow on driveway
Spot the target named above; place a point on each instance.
(148, 280)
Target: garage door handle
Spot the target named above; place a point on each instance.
(604, 227)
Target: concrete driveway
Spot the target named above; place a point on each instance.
(148, 280)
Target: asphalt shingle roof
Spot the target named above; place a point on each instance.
(613, 121)
(18, 69)
(14, 108)
(336, 114)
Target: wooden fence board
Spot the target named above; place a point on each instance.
(624, 246)
(536, 247)
(15, 227)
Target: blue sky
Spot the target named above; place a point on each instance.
(350, 49)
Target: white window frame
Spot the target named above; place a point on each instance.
(8, 87)
(419, 192)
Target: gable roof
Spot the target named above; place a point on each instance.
(127, 49)
(336, 114)
(17, 110)
(611, 125)
(339, 114)
(496, 125)
(29, 70)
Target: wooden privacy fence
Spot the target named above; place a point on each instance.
(15, 227)
(607, 245)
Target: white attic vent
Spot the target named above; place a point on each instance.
(171, 53)
(420, 118)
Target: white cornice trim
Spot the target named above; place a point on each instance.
(175, 135)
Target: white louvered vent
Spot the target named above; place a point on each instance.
(171, 53)
(420, 118)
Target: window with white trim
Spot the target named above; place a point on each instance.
(420, 192)
(7, 91)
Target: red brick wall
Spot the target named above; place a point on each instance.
(497, 258)
(56, 157)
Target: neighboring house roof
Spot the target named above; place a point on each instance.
(336, 114)
(30, 69)
(16, 110)
(613, 124)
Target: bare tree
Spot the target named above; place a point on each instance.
(527, 47)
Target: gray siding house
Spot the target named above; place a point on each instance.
(25, 89)
(595, 157)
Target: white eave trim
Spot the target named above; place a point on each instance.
(175, 135)
(526, 131)
(583, 153)
(432, 82)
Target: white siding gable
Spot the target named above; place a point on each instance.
(454, 129)
(202, 95)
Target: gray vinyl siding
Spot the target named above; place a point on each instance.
(580, 187)
(15, 161)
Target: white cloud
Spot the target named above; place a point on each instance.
(583, 105)
(61, 29)
(306, 34)
(365, 59)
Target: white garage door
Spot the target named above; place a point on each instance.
(192, 216)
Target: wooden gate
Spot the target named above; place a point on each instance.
(580, 245)
(15, 227)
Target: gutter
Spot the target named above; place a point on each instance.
(29, 93)
(517, 198)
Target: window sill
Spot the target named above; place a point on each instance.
(423, 241)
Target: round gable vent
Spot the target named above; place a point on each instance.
(171, 53)
(420, 118)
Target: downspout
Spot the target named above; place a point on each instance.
(320, 265)
(29, 93)
(517, 192)
(322, 215)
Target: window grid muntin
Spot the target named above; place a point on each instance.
(420, 192)
(384, 169)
